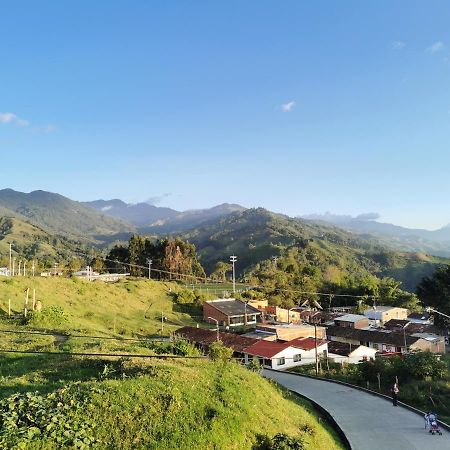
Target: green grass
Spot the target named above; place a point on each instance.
(137, 403)
(129, 307)
(184, 405)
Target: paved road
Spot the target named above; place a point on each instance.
(368, 421)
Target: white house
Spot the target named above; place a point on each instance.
(283, 355)
(341, 352)
(4, 272)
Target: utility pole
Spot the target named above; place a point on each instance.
(10, 259)
(14, 266)
(24, 268)
(245, 313)
(233, 260)
(315, 346)
(149, 261)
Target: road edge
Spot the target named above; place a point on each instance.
(327, 415)
(369, 391)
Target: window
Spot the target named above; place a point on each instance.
(281, 361)
(376, 346)
(297, 357)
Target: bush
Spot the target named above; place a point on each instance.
(254, 365)
(218, 352)
(52, 316)
(188, 297)
(422, 365)
(280, 441)
(59, 417)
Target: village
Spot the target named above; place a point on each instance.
(281, 339)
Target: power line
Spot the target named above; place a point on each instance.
(117, 355)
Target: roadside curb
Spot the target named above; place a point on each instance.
(328, 417)
(369, 391)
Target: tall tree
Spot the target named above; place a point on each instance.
(434, 291)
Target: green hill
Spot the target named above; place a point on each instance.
(124, 308)
(58, 214)
(258, 235)
(61, 400)
(31, 242)
(163, 405)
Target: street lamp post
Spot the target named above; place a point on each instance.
(233, 260)
(217, 326)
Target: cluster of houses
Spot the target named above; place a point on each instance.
(281, 338)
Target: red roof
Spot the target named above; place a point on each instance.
(266, 349)
(206, 337)
(306, 343)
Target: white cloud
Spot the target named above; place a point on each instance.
(288, 107)
(398, 45)
(437, 46)
(10, 118)
(7, 117)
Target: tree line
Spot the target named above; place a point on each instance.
(171, 258)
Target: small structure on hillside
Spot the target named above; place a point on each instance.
(230, 312)
(340, 352)
(356, 321)
(283, 355)
(382, 314)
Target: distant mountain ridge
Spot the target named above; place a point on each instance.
(436, 242)
(155, 219)
(58, 214)
(139, 214)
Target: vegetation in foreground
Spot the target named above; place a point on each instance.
(135, 404)
(424, 380)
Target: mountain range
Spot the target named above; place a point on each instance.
(435, 242)
(255, 235)
(154, 219)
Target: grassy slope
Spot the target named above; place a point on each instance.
(131, 307)
(157, 404)
(193, 404)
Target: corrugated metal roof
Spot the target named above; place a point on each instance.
(232, 307)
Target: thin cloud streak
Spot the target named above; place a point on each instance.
(398, 45)
(436, 47)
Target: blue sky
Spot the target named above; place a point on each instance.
(298, 107)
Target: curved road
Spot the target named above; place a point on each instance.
(368, 421)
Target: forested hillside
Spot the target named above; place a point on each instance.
(257, 235)
(58, 214)
(30, 242)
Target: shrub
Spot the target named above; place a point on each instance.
(254, 365)
(52, 316)
(218, 352)
(424, 365)
(59, 417)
